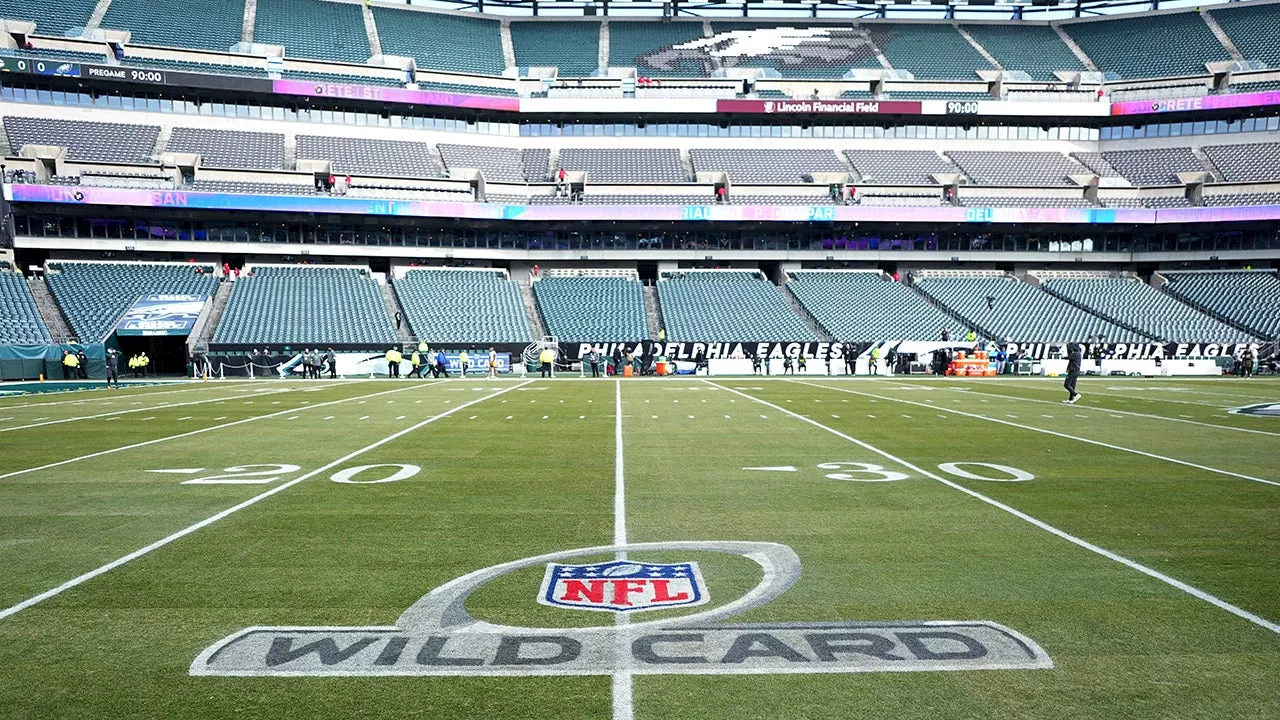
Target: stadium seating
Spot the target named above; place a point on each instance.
(606, 165)
(1020, 312)
(309, 29)
(340, 78)
(252, 188)
(806, 198)
(861, 306)
(96, 141)
(52, 17)
(206, 24)
(573, 47)
(727, 305)
(465, 89)
(930, 52)
(438, 41)
(536, 163)
(812, 51)
(1035, 49)
(20, 321)
(1252, 27)
(1143, 47)
(194, 67)
(1016, 168)
(1135, 303)
(593, 309)
(1246, 163)
(366, 156)
(882, 198)
(463, 306)
(645, 45)
(1249, 298)
(93, 296)
(1153, 166)
(1029, 201)
(761, 165)
(1096, 163)
(230, 148)
(61, 55)
(499, 164)
(915, 167)
(1271, 198)
(306, 305)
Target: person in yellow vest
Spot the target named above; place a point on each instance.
(415, 359)
(875, 360)
(545, 360)
(424, 349)
(69, 364)
(463, 360)
(143, 363)
(393, 362)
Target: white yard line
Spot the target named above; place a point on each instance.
(1156, 574)
(1121, 412)
(80, 580)
(1055, 433)
(150, 408)
(189, 433)
(623, 707)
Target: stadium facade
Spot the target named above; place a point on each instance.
(853, 181)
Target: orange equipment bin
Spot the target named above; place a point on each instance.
(627, 371)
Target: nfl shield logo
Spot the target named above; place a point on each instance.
(623, 585)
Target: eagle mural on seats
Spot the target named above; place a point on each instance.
(782, 48)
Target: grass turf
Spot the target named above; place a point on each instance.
(531, 470)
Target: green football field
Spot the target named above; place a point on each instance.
(835, 548)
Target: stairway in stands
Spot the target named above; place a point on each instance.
(49, 311)
(403, 333)
(531, 308)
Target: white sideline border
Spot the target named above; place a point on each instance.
(1046, 431)
(1116, 412)
(211, 428)
(163, 406)
(1166, 579)
(125, 394)
(81, 579)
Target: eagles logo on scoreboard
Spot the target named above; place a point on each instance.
(621, 586)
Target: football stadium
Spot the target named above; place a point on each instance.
(474, 359)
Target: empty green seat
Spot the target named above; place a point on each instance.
(727, 306)
(94, 295)
(306, 305)
(463, 306)
(593, 309)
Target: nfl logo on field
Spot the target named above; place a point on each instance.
(623, 585)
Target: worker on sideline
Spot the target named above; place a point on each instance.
(393, 362)
(463, 361)
(113, 367)
(69, 364)
(493, 363)
(415, 359)
(545, 360)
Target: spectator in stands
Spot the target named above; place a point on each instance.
(593, 359)
(393, 357)
(562, 183)
(662, 334)
(814, 96)
(946, 335)
(853, 195)
(721, 194)
(399, 319)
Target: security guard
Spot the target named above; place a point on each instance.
(113, 367)
(545, 360)
(393, 362)
(463, 360)
(69, 364)
(415, 359)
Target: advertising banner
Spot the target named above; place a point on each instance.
(162, 315)
(821, 107)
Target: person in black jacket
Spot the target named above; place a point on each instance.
(1075, 355)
